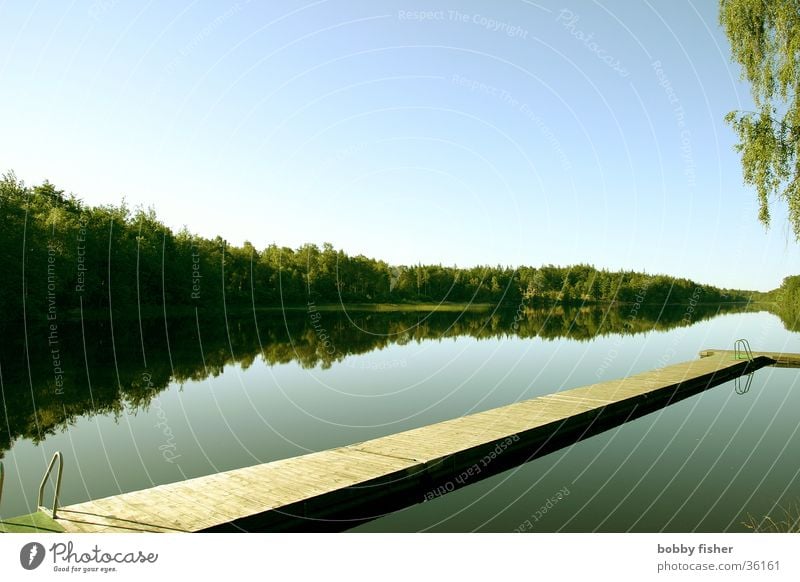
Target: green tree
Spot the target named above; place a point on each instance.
(58, 254)
(765, 41)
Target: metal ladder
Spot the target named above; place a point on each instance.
(57, 456)
(742, 351)
(40, 499)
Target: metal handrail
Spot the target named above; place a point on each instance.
(741, 347)
(60, 458)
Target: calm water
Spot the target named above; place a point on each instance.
(148, 404)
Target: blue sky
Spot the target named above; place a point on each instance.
(443, 132)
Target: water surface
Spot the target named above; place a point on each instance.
(154, 402)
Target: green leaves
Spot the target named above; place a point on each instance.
(765, 41)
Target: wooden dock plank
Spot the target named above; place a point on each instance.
(782, 360)
(400, 461)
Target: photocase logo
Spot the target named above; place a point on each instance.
(31, 555)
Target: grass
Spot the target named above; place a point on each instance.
(391, 307)
(38, 522)
(788, 522)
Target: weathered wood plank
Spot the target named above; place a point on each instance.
(782, 360)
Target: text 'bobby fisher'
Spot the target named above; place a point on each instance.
(690, 550)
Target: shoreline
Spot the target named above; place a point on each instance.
(149, 312)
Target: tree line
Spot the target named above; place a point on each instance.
(59, 255)
(786, 302)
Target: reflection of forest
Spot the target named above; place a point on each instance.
(786, 302)
(790, 315)
(42, 395)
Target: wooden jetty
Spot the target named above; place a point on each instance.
(780, 360)
(339, 488)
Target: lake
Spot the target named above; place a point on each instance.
(135, 403)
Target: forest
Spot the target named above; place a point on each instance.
(786, 302)
(59, 255)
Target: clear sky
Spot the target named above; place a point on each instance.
(445, 132)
